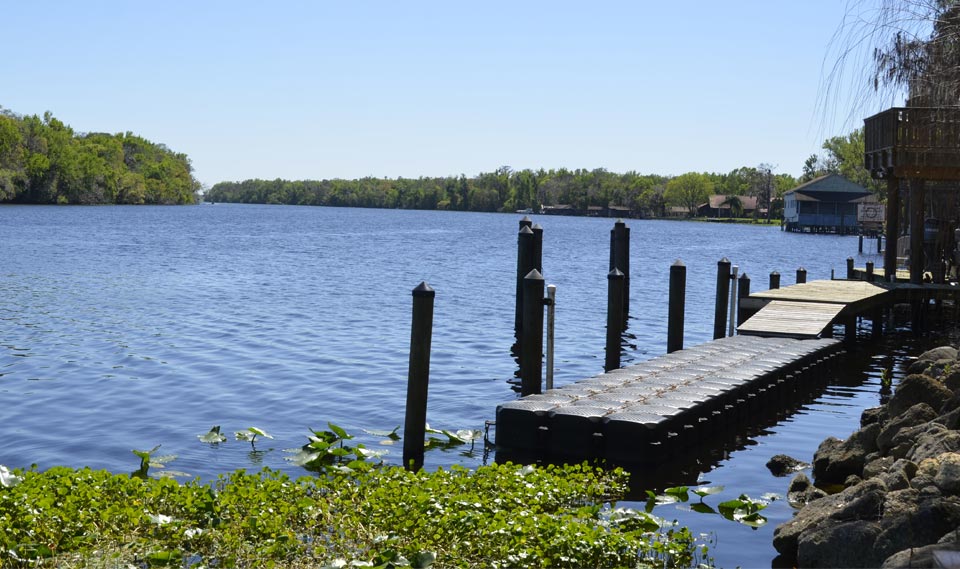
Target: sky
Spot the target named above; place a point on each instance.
(322, 89)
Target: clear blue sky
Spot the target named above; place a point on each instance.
(325, 89)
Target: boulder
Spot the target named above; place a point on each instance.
(915, 557)
(916, 415)
(951, 379)
(877, 466)
(857, 503)
(836, 459)
(783, 465)
(933, 443)
(873, 415)
(915, 389)
(949, 411)
(919, 524)
(930, 356)
(947, 476)
(848, 544)
(801, 491)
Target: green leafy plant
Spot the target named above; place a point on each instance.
(147, 460)
(744, 510)
(327, 451)
(213, 436)
(250, 435)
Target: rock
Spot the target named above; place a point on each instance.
(783, 465)
(877, 466)
(802, 491)
(917, 389)
(950, 414)
(951, 379)
(920, 524)
(913, 557)
(934, 443)
(931, 356)
(852, 480)
(848, 505)
(873, 415)
(940, 367)
(848, 544)
(947, 477)
(916, 415)
(836, 459)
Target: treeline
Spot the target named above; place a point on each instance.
(43, 161)
(501, 190)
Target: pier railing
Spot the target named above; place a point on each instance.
(920, 142)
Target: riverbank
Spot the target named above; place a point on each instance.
(898, 477)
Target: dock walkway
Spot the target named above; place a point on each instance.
(632, 414)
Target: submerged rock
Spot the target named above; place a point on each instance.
(784, 465)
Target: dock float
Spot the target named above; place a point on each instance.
(642, 411)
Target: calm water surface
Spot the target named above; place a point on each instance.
(128, 327)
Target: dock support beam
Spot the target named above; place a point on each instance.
(676, 307)
(723, 290)
(525, 264)
(801, 275)
(418, 377)
(743, 291)
(916, 231)
(620, 259)
(893, 229)
(614, 319)
(849, 268)
(531, 334)
(774, 280)
(869, 271)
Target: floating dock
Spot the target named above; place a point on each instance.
(637, 413)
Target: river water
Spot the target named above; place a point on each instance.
(126, 327)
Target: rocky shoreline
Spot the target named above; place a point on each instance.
(899, 480)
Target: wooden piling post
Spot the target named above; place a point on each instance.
(801, 275)
(525, 264)
(850, 274)
(615, 280)
(723, 289)
(893, 229)
(879, 243)
(743, 291)
(418, 377)
(531, 334)
(537, 247)
(860, 243)
(676, 306)
(870, 271)
(774, 280)
(620, 259)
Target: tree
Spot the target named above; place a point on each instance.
(688, 190)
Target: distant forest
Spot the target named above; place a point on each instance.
(43, 161)
(506, 189)
(501, 190)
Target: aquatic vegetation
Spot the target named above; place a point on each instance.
(498, 515)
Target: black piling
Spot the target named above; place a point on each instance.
(418, 377)
(743, 291)
(676, 307)
(860, 243)
(537, 247)
(879, 243)
(525, 264)
(531, 339)
(531, 334)
(723, 291)
(620, 259)
(850, 274)
(801, 275)
(870, 271)
(774, 280)
(615, 283)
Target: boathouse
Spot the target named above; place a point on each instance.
(827, 204)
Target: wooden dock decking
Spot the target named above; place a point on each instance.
(630, 414)
(806, 310)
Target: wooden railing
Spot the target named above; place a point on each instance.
(913, 142)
